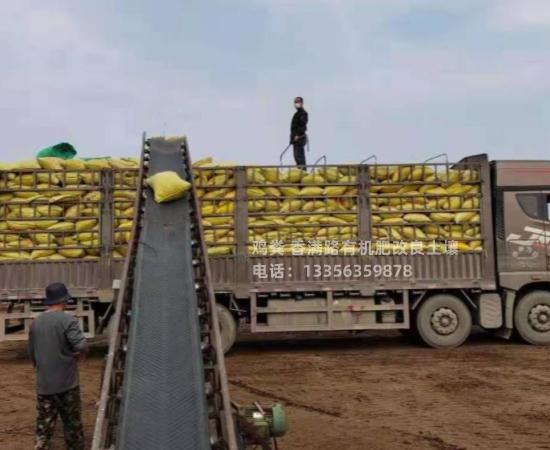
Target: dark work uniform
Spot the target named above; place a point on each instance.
(54, 337)
(298, 127)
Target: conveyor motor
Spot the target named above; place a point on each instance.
(270, 421)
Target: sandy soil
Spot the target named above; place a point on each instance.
(372, 392)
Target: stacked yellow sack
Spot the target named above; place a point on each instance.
(284, 205)
(422, 203)
(50, 208)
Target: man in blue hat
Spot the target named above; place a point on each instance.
(56, 344)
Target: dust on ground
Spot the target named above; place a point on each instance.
(375, 392)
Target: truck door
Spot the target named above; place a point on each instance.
(546, 206)
(526, 227)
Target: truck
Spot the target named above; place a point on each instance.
(431, 249)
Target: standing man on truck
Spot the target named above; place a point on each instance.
(298, 136)
(56, 345)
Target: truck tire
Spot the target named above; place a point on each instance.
(444, 321)
(228, 327)
(532, 318)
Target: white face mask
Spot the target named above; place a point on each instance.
(298, 105)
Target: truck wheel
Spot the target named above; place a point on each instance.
(532, 318)
(228, 327)
(444, 321)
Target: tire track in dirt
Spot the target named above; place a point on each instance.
(252, 390)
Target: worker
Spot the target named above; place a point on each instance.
(298, 136)
(56, 345)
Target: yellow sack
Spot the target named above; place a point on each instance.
(291, 205)
(72, 253)
(272, 191)
(43, 238)
(418, 218)
(219, 250)
(215, 193)
(15, 256)
(464, 216)
(436, 191)
(123, 205)
(22, 243)
(91, 179)
(202, 162)
(452, 176)
(168, 186)
(420, 173)
(25, 212)
(207, 209)
(73, 164)
(290, 191)
(42, 253)
(86, 224)
(218, 180)
(254, 176)
(393, 221)
(9, 237)
(125, 225)
(97, 164)
(334, 190)
(49, 210)
(313, 205)
(125, 194)
(293, 175)
(66, 197)
(230, 195)
(313, 191)
(70, 178)
(271, 174)
(380, 173)
(62, 226)
(50, 164)
(21, 225)
(313, 178)
(54, 257)
(272, 205)
(217, 221)
(28, 164)
(255, 192)
(331, 220)
(119, 163)
(401, 174)
(413, 233)
(253, 206)
(442, 217)
(331, 174)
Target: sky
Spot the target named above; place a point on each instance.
(404, 80)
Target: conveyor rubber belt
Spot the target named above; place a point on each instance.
(163, 401)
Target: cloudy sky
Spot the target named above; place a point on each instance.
(402, 79)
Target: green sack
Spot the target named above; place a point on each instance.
(63, 150)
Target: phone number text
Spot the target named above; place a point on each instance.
(358, 271)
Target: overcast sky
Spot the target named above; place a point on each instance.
(402, 79)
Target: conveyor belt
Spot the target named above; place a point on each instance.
(165, 385)
(163, 397)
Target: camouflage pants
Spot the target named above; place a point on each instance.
(66, 405)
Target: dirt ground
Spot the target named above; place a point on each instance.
(372, 392)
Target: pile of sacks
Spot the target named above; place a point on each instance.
(50, 208)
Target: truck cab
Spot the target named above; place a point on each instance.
(521, 205)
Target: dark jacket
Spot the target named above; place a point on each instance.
(298, 126)
(54, 337)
